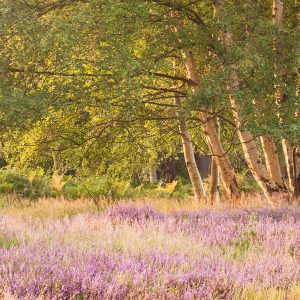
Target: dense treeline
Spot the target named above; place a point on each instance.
(126, 87)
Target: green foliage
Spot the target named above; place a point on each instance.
(94, 82)
(98, 187)
(7, 242)
(30, 185)
(115, 189)
(37, 184)
(245, 238)
(12, 181)
(246, 182)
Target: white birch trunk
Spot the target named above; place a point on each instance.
(211, 132)
(189, 156)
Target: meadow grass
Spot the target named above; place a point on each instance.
(252, 293)
(147, 249)
(61, 207)
(58, 207)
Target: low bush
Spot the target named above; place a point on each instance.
(31, 185)
(36, 184)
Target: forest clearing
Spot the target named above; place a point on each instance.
(150, 149)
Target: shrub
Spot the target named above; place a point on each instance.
(11, 181)
(35, 184)
(247, 183)
(32, 185)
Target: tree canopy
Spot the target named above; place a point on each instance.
(108, 86)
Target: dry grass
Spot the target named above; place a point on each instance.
(60, 207)
(252, 293)
(48, 207)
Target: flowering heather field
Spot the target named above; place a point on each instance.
(130, 252)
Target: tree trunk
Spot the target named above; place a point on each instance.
(277, 16)
(153, 175)
(296, 163)
(272, 160)
(169, 169)
(292, 161)
(58, 171)
(211, 133)
(189, 156)
(277, 13)
(214, 195)
(203, 163)
(247, 140)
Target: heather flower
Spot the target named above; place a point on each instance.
(131, 213)
(133, 252)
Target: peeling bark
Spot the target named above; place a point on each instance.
(292, 161)
(277, 16)
(272, 161)
(214, 193)
(247, 140)
(189, 156)
(226, 169)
